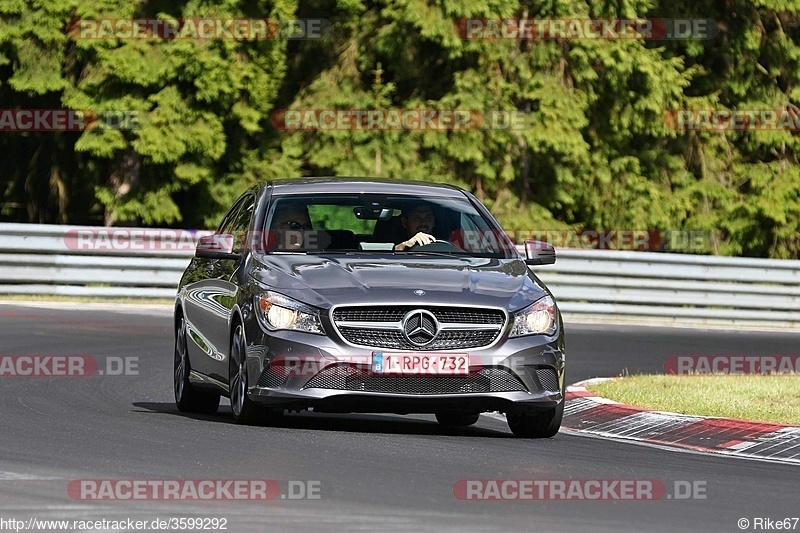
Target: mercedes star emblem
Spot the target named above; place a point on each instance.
(420, 327)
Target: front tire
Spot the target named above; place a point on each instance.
(244, 410)
(187, 399)
(537, 425)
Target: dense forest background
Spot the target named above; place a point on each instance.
(598, 154)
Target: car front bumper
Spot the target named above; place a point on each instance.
(284, 364)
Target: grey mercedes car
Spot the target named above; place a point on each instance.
(371, 296)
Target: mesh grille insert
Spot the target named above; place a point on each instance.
(487, 380)
(393, 338)
(271, 379)
(547, 378)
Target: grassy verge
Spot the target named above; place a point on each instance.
(770, 398)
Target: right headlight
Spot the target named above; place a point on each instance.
(276, 311)
(539, 318)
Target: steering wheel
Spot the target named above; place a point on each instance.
(439, 245)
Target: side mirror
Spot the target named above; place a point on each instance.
(216, 247)
(539, 253)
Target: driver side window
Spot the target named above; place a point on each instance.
(240, 226)
(227, 221)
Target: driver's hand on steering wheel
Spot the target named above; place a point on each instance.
(420, 239)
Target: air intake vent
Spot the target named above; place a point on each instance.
(548, 379)
(487, 380)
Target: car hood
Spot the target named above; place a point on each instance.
(335, 279)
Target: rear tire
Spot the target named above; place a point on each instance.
(244, 410)
(187, 398)
(457, 419)
(537, 425)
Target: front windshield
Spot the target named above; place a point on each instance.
(340, 223)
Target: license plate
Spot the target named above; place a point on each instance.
(420, 364)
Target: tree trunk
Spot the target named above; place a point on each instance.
(124, 179)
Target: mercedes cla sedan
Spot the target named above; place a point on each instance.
(371, 296)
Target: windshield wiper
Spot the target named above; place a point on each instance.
(424, 252)
(318, 252)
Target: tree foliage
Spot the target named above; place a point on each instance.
(597, 152)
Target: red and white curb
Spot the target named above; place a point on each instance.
(593, 415)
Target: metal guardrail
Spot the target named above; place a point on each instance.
(638, 286)
(92, 261)
(672, 288)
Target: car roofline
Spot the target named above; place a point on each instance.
(363, 185)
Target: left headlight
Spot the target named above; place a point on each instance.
(276, 311)
(539, 318)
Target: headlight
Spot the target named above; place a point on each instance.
(536, 319)
(276, 311)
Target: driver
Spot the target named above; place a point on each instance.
(292, 224)
(418, 221)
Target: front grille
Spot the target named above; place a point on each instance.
(461, 328)
(396, 313)
(468, 316)
(369, 314)
(486, 380)
(548, 379)
(447, 340)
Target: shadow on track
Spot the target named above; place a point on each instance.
(351, 423)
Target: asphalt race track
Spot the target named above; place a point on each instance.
(375, 473)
